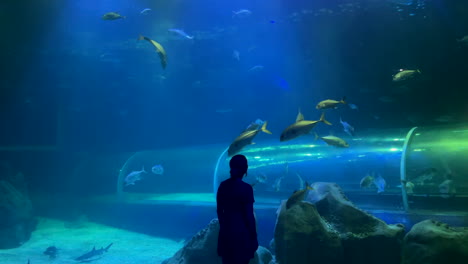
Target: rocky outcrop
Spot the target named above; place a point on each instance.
(16, 214)
(431, 242)
(322, 226)
(202, 249)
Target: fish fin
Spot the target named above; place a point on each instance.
(264, 129)
(140, 37)
(107, 248)
(322, 119)
(419, 71)
(316, 135)
(343, 101)
(300, 116)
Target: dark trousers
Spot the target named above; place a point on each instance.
(234, 261)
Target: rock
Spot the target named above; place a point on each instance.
(325, 227)
(431, 242)
(202, 248)
(16, 216)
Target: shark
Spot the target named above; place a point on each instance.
(88, 257)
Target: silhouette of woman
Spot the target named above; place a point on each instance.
(237, 242)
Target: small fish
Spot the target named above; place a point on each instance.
(347, 128)
(157, 169)
(254, 125)
(326, 104)
(299, 195)
(145, 11)
(386, 99)
(236, 55)
(134, 176)
(425, 176)
(367, 181)
(301, 181)
(277, 184)
(180, 32)
(353, 106)
(245, 139)
(380, 183)
(409, 186)
(333, 141)
(112, 16)
(261, 178)
(404, 75)
(447, 188)
(241, 13)
(51, 252)
(301, 127)
(256, 68)
(159, 49)
(463, 40)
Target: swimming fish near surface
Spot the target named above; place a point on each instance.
(159, 49)
(301, 127)
(112, 16)
(326, 104)
(134, 176)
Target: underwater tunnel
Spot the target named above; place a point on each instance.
(423, 168)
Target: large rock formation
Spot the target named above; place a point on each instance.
(16, 214)
(322, 226)
(431, 242)
(202, 249)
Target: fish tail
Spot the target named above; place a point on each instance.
(143, 169)
(322, 119)
(316, 135)
(343, 101)
(107, 248)
(264, 129)
(140, 37)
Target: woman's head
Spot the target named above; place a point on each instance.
(238, 165)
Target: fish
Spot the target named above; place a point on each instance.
(245, 139)
(236, 55)
(298, 196)
(157, 169)
(447, 188)
(241, 13)
(134, 176)
(301, 127)
(260, 178)
(51, 252)
(404, 75)
(87, 257)
(145, 11)
(333, 141)
(386, 99)
(463, 40)
(326, 104)
(371, 179)
(367, 181)
(348, 129)
(425, 176)
(301, 181)
(254, 125)
(159, 49)
(353, 106)
(112, 16)
(256, 68)
(277, 184)
(409, 186)
(180, 32)
(380, 183)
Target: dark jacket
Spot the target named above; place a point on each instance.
(238, 232)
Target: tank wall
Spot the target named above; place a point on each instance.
(304, 159)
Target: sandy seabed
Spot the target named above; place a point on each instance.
(128, 247)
